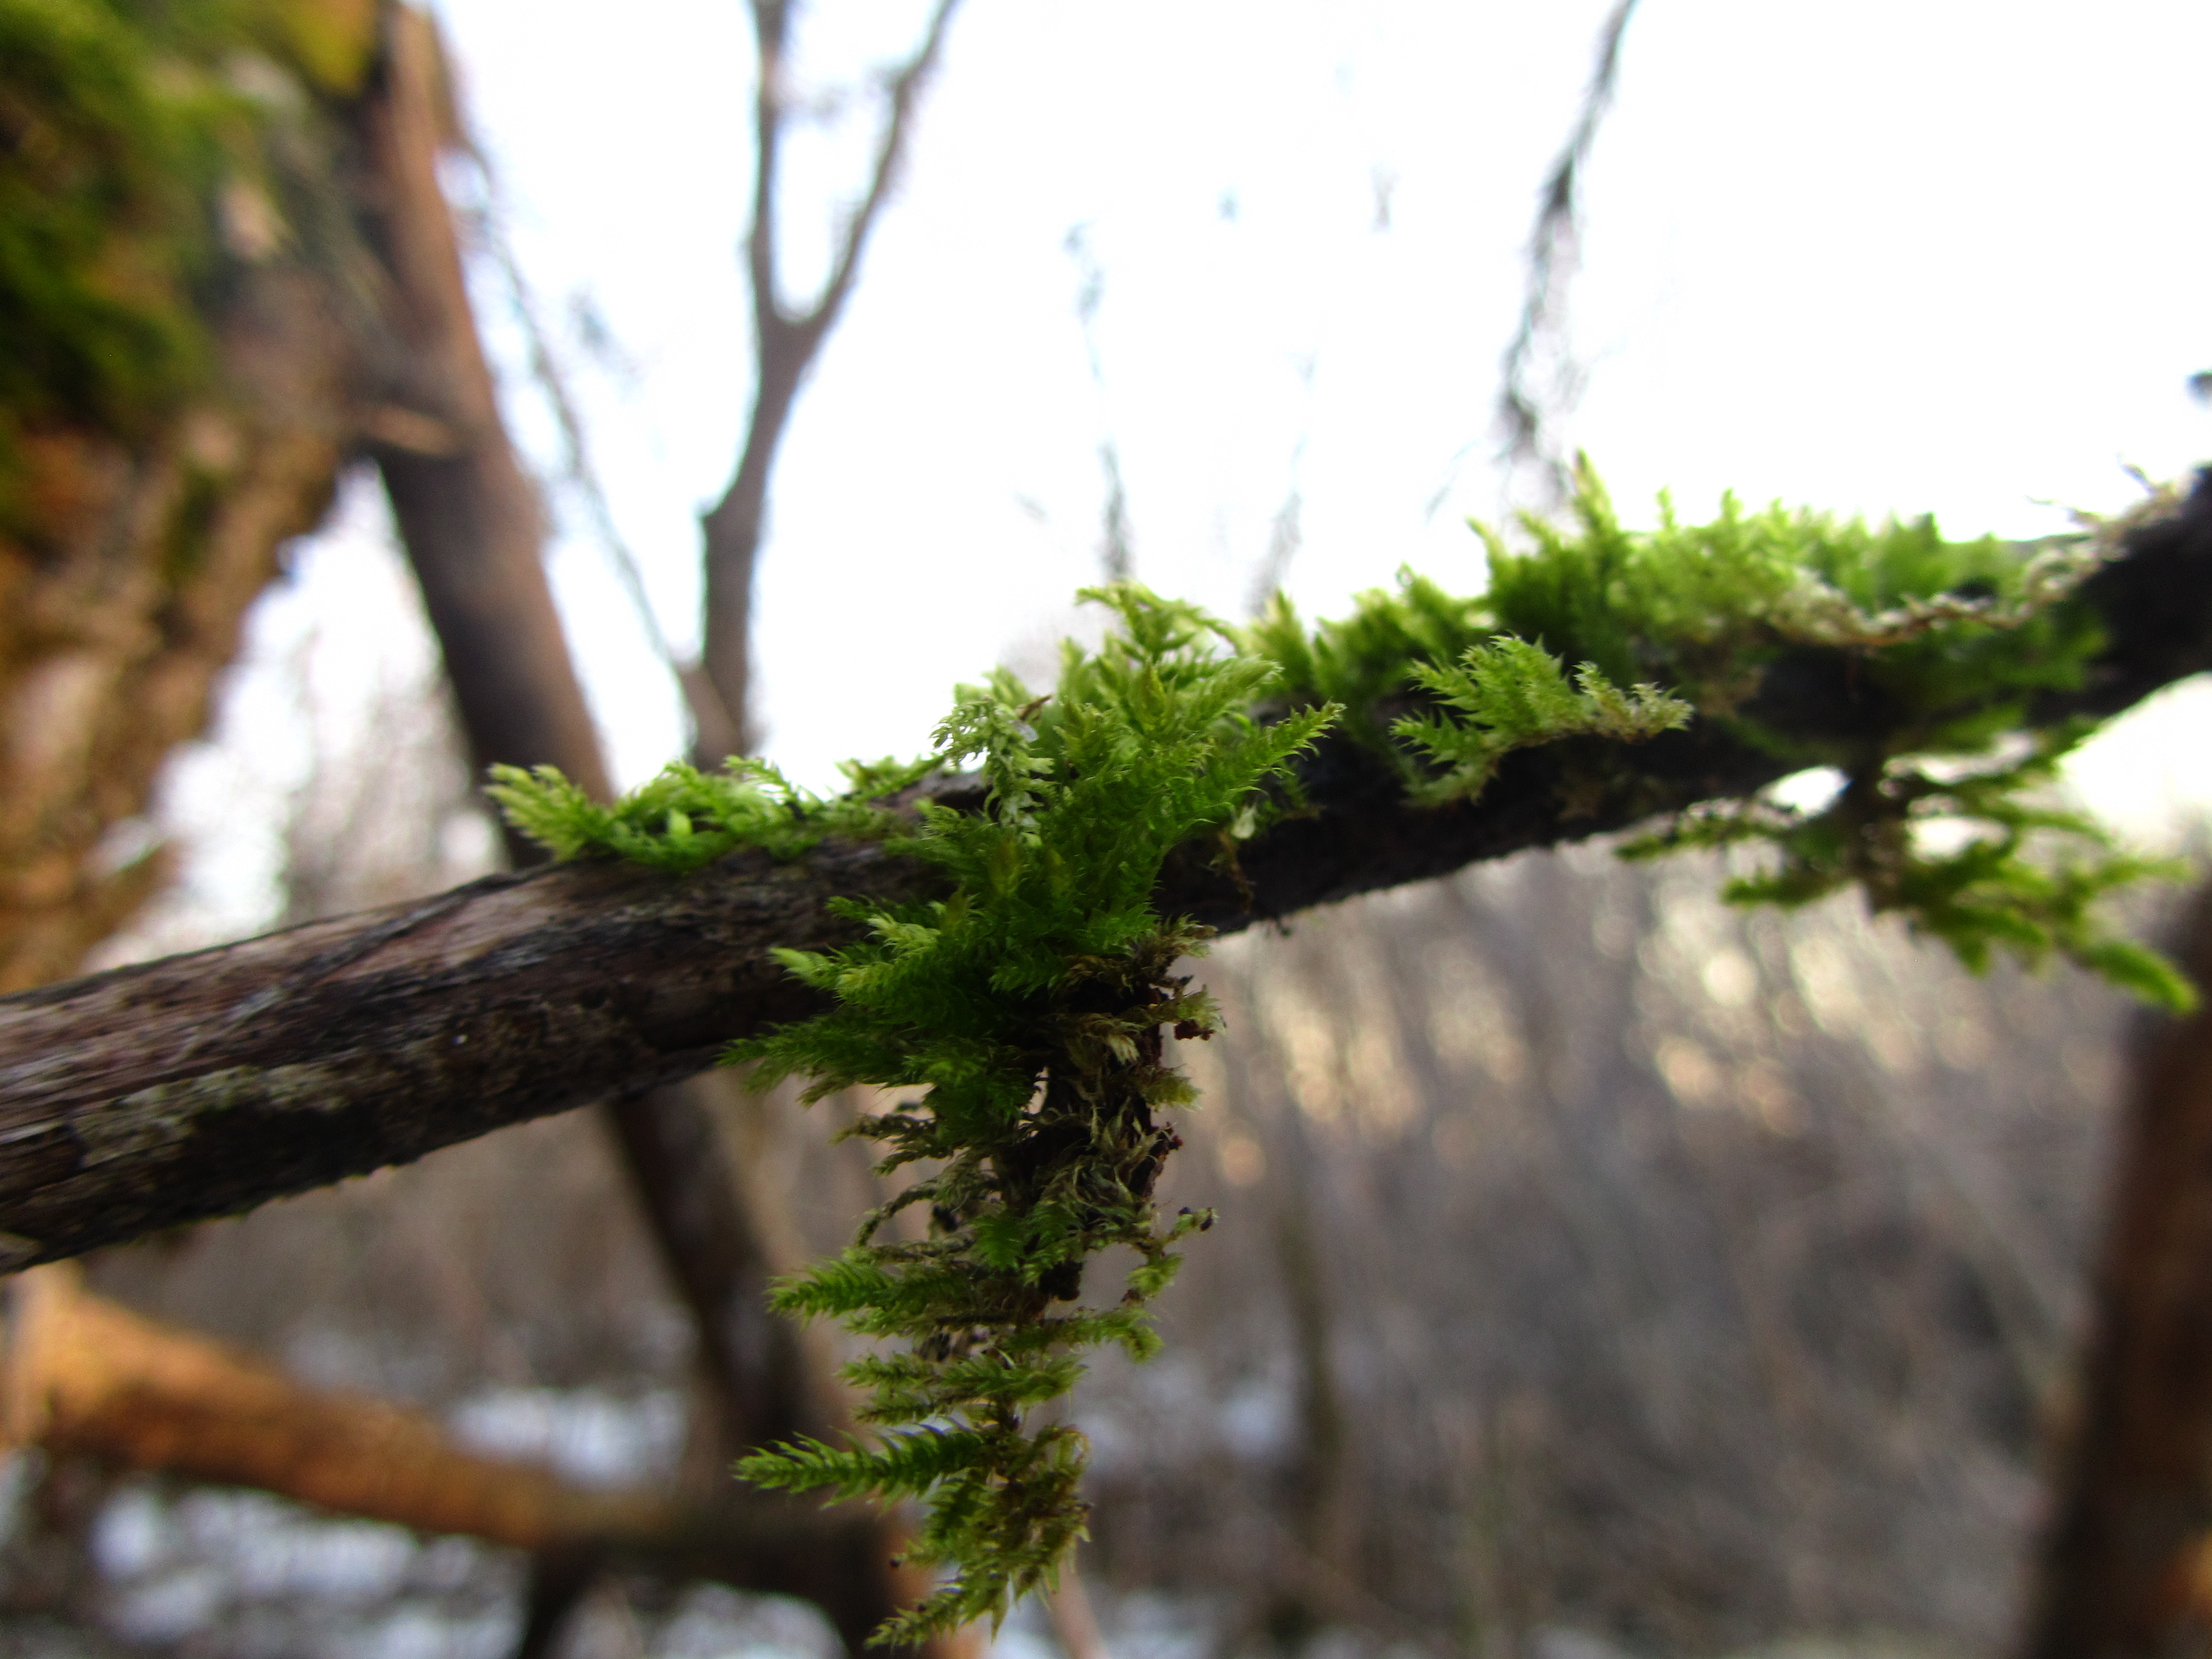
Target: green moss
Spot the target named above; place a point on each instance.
(120, 128)
(686, 818)
(1957, 631)
(331, 43)
(1954, 639)
(105, 177)
(1511, 695)
(1030, 1007)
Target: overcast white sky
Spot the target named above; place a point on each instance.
(1884, 256)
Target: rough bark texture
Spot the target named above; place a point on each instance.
(203, 1085)
(2127, 1569)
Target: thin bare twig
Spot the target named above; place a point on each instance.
(1117, 558)
(1523, 409)
(786, 342)
(1554, 251)
(577, 472)
(1286, 535)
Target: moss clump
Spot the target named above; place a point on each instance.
(120, 131)
(1954, 639)
(686, 818)
(1031, 1006)
(107, 164)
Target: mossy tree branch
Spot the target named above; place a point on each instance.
(204, 1085)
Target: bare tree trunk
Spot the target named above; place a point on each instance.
(2126, 1570)
(471, 518)
(1322, 1527)
(675, 1152)
(473, 530)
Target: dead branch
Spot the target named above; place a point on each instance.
(203, 1085)
(81, 1375)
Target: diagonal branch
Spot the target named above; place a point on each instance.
(203, 1085)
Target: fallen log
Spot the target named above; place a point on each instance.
(83, 1376)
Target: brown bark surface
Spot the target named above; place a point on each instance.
(84, 1375)
(114, 629)
(206, 1084)
(468, 515)
(2127, 1568)
(81, 1374)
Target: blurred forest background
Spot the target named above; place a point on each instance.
(1602, 1272)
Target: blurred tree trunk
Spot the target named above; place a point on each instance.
(474, 529)
(118, 613)
(468, 513)
(2126, 1570)
(83, 1375)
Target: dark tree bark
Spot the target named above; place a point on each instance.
(2126, 1572)
(204, 1085)
(468, 514)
